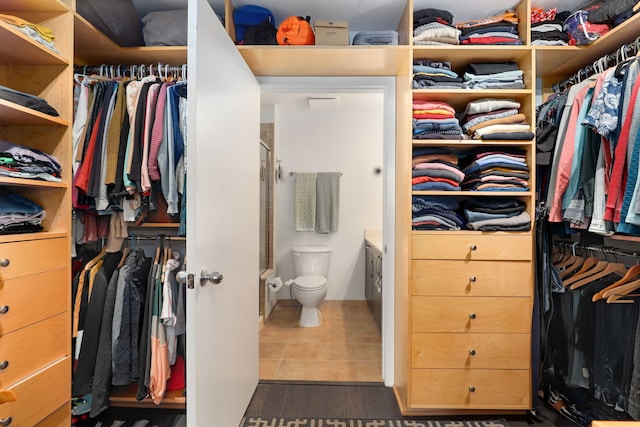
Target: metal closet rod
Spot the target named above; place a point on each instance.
(134, 70)
(157, 237)
(606, 250)
(623, 53)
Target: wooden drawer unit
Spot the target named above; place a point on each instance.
(477, 351)
(60, 418)
(470, 388)
(471, 314)
(30, 349)
(39, 395)
(471, 278)
(33, 256)
(471, 247)
(32, 298)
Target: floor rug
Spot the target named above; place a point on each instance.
(330, 422)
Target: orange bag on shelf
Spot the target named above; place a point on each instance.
(296, 30)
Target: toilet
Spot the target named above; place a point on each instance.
(311, 267)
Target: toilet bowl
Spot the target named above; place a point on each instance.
(311, 267)
(309, 291)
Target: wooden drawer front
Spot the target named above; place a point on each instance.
(32, 348)
(482, 351)
(49, 253)
(450, 388)
(471, 278)
(39, 395)
(34, 298)
(458, 246)
(60, 418)
(471, 314)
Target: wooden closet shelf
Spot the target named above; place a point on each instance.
(467, 142)
(124, 397)
(473, 193)
(17, 48)
(34, 183)
(10, 238)
(16, 115)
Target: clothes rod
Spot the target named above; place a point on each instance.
(606, 250)
(624, 52)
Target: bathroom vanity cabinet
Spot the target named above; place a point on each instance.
(373, 275)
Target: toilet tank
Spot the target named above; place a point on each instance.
(311, 260)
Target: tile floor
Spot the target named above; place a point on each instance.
(345, 347)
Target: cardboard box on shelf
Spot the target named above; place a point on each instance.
(332, 33)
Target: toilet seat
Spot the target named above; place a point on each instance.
(310, 283)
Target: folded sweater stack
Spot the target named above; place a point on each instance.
(435, 120)
(495, 119)
(499, 29)
(434, 27)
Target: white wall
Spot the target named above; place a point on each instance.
(348, 140)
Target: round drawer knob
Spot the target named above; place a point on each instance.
(473, 247)
(472, 352)
(471, 389)
(4, 364)
(4, 309)
(472, 279)
(4, 262)
(472, 315)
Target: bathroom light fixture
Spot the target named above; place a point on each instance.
(328, 103)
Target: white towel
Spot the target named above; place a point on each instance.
(327, 202)
(304, 201)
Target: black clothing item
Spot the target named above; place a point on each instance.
(608, 10)
(102, 373)
(491, 68)
(27, 100)
(429, 13)
(93, 188)
(145, 334)
(506, 136)
(83, 377)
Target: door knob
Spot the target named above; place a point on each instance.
(214, 278)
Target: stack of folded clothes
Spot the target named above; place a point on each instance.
(17, 161)
(503, 169)
(435, 213)
(495, 119)
(435, 169)
(434, 27)
(19, 214)
(428, 74)
(503, 75)
(546, 27)
(435, 120)
(498, 29)
(496, 214)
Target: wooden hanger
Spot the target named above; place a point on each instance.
(587, 264)
(598, 267)
(570, 269)
(631, 274)
(615, 295)
(612, 267)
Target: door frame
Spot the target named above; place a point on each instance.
(366, 84)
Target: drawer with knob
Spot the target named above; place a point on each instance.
(511, 315)
(475, 351)
(471, 247)
(29, 299)
(470, 388)
(471, 278)
(50, 385)
(30, 349)
(17, 258)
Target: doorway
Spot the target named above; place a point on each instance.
(280, 98)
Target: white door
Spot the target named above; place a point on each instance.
(223, 161)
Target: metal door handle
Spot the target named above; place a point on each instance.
(214, 278)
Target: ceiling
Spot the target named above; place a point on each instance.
(364, 15)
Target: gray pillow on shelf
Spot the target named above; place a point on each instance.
(116, 19)
(165, 28)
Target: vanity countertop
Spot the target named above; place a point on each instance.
(374, 237)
